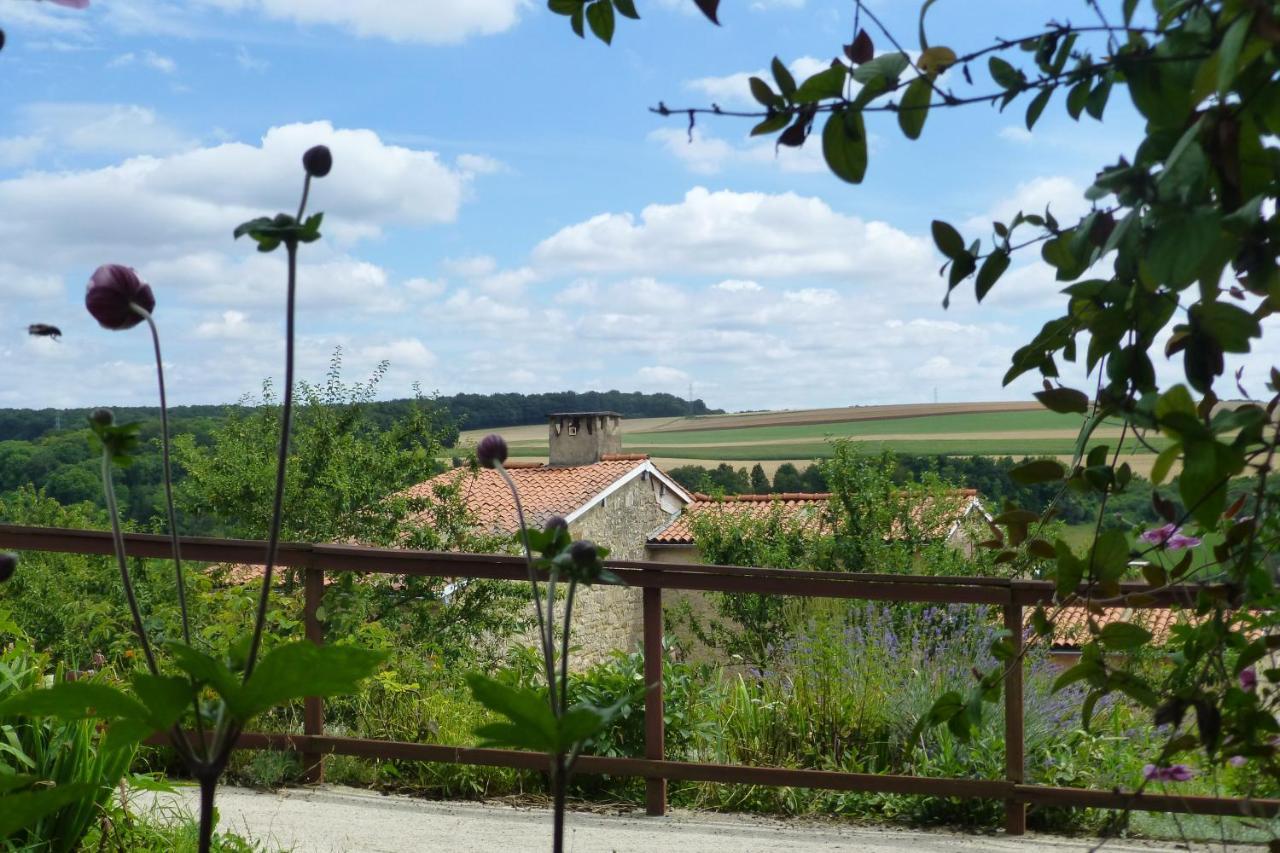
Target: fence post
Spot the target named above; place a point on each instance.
(313, 706)
(1015, 810)
(654, 734)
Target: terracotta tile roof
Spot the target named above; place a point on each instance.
(544, 490)
(1071, 626)
(679, 531)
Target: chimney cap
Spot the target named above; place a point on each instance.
(583, 414)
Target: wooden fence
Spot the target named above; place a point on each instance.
(652, 578)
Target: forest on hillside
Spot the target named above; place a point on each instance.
(52, 450)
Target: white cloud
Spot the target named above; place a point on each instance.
(1014, 133)
(436, 22)
(744, 235)
(166, 207)
(471, 266)
(424, 287)
(230, 326)
(115, 129)
(734, 89)
(249, 62)
(408, 353)
(737, 285)
(1063, 196)
(662, 377)
(19, 150)
(479, 164)
(149, 58)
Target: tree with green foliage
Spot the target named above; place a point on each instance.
(759, 480)
(1176, 258)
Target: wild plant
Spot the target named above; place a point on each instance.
(217, 695)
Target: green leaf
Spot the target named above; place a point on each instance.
(948, 239)
(510, 735)
(772, 124)
(166, 697)
(944, 709)
(1164, 462)
(627, 8)
(206, 669)
(1036, 107)
(1122, 636)
(1181, 245)
(576, 21)
(1038, 471)
(579, 724)
(564, 7)
(300, 669)
(823, 85)
(709, 8)
(1070, 570)
(992, 268)
(525, 708)
(1077, 98)
(1110, 555)
(1097, 100)
(74, 700)
(1087, 669)
(914, 108)
(844, 145)
(21, 810)
(761, 92)
(600, 17)
(1005, 74)
(1229, 51)
(1064, 401)
(887, 67)
(786, 83)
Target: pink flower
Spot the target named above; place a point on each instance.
(1170, 536)
(1249, 680)
(1237, 761)
(113, 291)
(1172, 773)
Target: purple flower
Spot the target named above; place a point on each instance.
(113, 291)
(317, 161)
(584, 552)
(1172, 773)
(556, 523)
(492, 450)
(1237, 761)
(1249, 680)
(1170, 536)
(8, 565)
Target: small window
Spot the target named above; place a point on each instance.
(573, 427)
(559, 426)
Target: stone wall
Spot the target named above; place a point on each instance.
(606, 618)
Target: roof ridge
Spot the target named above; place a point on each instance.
(776, 496)
(623, 457)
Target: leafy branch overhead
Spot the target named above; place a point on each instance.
(1172, 271)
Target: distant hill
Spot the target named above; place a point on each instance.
(470, 411)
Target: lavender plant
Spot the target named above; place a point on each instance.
(533, 719)
(216, 694)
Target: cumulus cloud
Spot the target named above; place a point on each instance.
(437, 22)
(744, 235)
(166, 207)
(735, 90)
(705, 154)
(147, 58)
(113, 129)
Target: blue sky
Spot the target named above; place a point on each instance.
(504, 211)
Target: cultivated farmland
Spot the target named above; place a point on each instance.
(771, 438)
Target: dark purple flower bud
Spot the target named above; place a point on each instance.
(113, 291)
(8, 565)
(584, 552)
(492, 450)
(317, 161)
(102, 417)
(556, 523)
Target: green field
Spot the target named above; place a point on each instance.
(1028, 422)
(799, 437)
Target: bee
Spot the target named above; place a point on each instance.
(44, 330)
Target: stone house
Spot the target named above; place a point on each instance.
(614, 499)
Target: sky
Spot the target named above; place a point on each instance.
(505, 213)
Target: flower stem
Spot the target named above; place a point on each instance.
(306, 191)
(282, 459)
(544, 633)
(168, 474)
(117, 539)
(564, 648)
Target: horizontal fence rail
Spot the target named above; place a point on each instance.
(1008, 594)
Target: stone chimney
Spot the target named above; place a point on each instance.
(583, 438)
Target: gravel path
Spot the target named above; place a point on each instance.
(336, 820)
